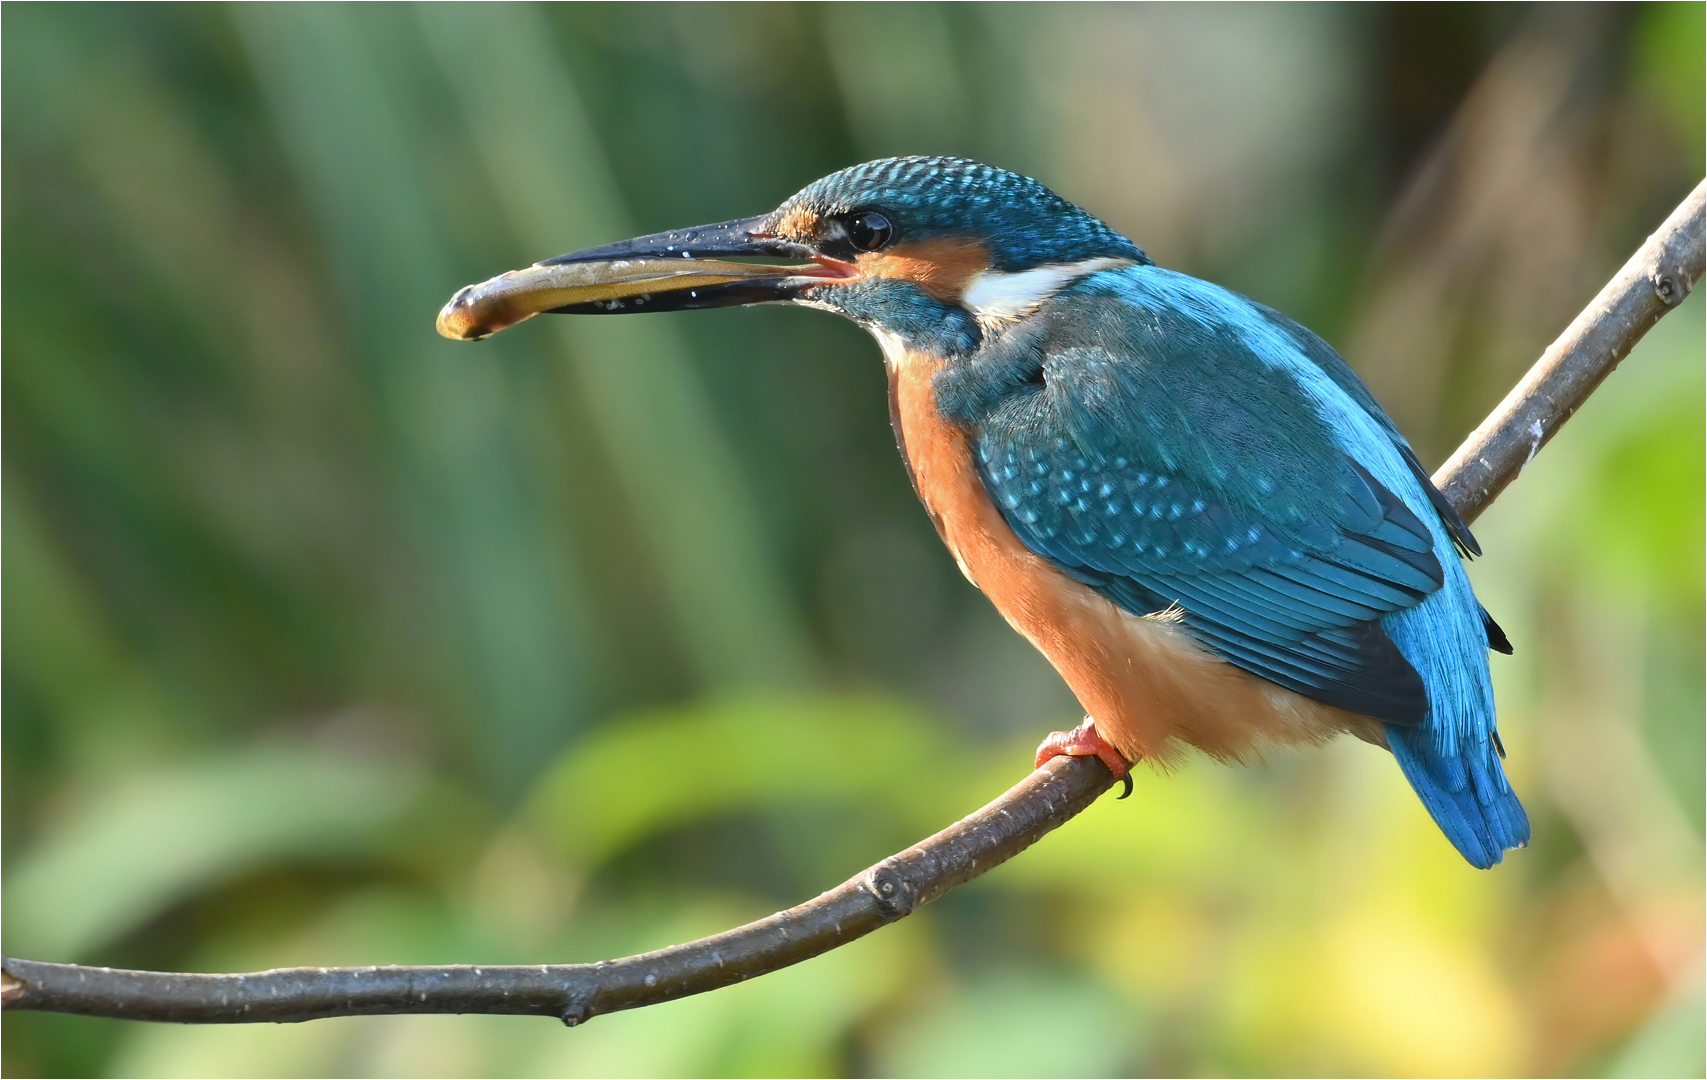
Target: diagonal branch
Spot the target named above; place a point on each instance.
(1655, 280)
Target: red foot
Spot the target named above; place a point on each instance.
(1086, 741)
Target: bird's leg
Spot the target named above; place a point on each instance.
(1086, 741)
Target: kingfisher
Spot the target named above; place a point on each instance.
(1188, 502)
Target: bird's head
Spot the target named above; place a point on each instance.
(934, 251)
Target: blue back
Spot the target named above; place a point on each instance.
(1170, 443)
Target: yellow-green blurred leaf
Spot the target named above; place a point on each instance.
(660, 769)
(125, 853)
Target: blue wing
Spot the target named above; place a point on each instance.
(1318, 352)
(1173, 445)
(1164, 465)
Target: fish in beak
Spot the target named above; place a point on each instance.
(667, 271)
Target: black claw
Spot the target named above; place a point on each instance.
(1126, 780)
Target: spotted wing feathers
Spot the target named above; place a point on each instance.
(1281, 559)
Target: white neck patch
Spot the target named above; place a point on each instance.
(994, 296)
(894, 347)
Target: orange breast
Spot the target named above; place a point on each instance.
(1148, 685)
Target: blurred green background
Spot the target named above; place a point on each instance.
(327, 641)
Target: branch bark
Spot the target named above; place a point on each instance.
(1656, 279)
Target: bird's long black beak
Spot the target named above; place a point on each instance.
(667, 271)
(742, 236)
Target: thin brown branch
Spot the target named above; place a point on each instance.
(889, 891)
(1655, 280)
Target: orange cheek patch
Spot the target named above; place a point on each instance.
(941, 267)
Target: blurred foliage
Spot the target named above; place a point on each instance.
(330, 642)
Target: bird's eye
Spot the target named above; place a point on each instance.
(869, 231)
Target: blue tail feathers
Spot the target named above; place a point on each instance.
(1466, 792)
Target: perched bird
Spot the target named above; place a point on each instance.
(1187, 501)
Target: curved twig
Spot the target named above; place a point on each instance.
(889, 891)
(1655, 280)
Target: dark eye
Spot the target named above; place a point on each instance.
(869, 231)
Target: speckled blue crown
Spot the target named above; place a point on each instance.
(1023, 223)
